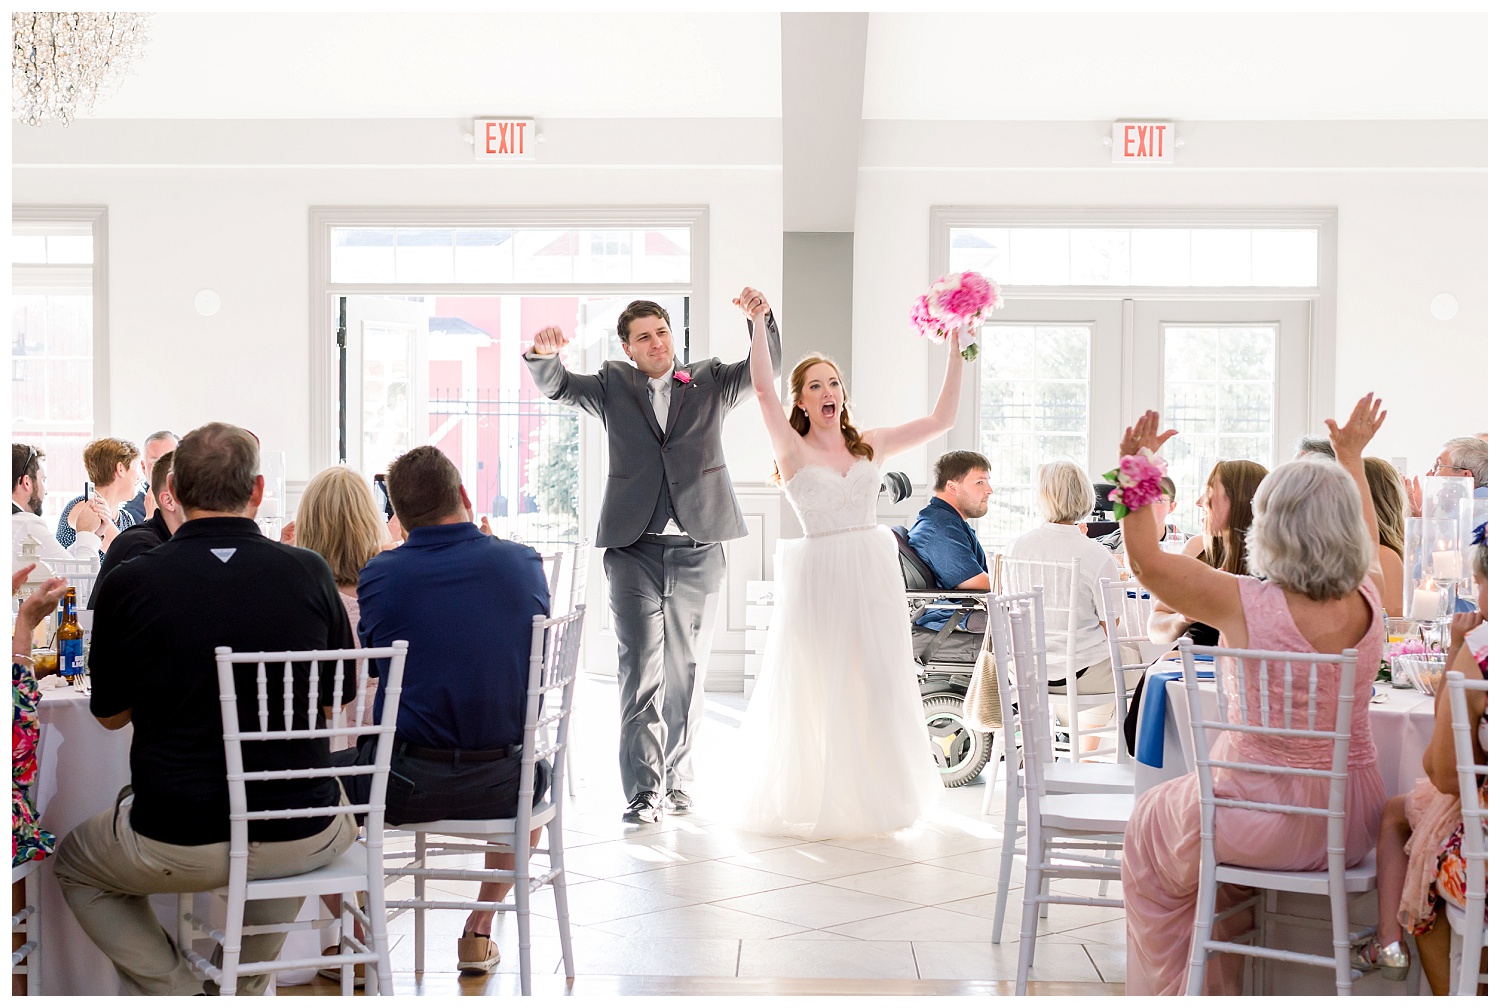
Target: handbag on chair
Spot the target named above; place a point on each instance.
(982, 705)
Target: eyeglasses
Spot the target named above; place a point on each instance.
(31, 456)
(1438, 463)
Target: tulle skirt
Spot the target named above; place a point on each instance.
(833, 743)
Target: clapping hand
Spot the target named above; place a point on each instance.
(89, 515)
(1364, 420)
(289, 533)
(752, 302)
(1143, 435)
(548, 342)
(36, 606)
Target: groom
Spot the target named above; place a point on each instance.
(668, 506)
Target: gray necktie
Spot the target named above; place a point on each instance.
(660, 399)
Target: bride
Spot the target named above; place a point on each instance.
(833, 742)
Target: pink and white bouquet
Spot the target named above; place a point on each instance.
(951, 304)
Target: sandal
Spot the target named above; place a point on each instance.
(1392, 960)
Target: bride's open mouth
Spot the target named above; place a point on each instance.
(830, 410)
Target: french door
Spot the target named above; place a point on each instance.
(1061, 379)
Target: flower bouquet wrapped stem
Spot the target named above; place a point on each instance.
(954, 306)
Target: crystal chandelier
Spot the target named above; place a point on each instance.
(64, 62)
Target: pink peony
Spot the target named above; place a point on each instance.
(962, 296)
(683, 376)
(923, 321)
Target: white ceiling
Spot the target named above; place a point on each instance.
(918, 66)
(417, 66)
(1176, 66)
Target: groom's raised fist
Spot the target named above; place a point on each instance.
(548, 342)
(752, 302)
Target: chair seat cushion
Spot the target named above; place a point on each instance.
(1076, 778)
(1360, 878)
(1098, 813)
(479, 828)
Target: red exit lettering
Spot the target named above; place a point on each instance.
(505, 138)
(1146, 139)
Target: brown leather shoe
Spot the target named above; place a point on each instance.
(477, 955)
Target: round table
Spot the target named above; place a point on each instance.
(81, 767)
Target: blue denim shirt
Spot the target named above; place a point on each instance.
(950, 546)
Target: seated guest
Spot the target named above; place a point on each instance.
(1226, 522)
(1313, 540)
(28, 841)
(1427, 821)
(155, 447)
(114, 467)
(465, 601)
(28, 489)
(157, 619)
(1390, 511)
(1161, 510)
(1065, 496)
(1308, 446)
(166, 518)
(1462, 456)
(337, 518)
(946, 542)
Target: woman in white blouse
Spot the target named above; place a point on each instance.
(1065, 498)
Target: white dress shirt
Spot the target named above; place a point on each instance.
(25, 525)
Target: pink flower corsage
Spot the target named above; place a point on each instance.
(1137, 482)
(682, 376)
(952, 302)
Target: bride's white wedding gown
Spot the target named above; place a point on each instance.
(833, 743)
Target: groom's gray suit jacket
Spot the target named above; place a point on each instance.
(689, 454)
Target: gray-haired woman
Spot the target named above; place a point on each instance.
(1313, 540)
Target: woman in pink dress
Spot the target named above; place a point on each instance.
(1314, 539)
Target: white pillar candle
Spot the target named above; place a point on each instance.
(1424, 605)
(1447, 565)
(270, 507)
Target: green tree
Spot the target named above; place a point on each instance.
(552, 472)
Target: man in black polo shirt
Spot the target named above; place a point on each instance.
(217, 582)
(166, 518)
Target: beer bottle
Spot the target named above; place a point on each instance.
(70, 639)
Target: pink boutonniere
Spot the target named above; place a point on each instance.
(683, 376)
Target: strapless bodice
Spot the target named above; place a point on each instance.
(828, 502)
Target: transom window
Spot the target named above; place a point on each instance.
(1139, 257)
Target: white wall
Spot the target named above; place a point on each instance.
(242, 230)
(1411, 224)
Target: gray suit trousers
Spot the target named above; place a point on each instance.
(664, 599)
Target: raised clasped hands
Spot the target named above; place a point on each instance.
(1364, 420)
(1143, 434)
(548, 342)
(89, 516)
(752, 302)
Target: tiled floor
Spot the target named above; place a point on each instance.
(693, 907)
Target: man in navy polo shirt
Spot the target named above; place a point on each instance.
(944, 539)
(465, 601)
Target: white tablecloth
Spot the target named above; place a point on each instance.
(81, 767)
(1401, 725)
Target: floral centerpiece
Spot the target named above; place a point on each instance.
(1411, 647)
(951, 304)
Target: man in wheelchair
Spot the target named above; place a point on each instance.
(947, 577)
(946, 543)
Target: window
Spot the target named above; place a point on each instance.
(57, 392)
(1139, 257)
(1034, 408)
(1220, 319)
(438, 307)
(1221, 398)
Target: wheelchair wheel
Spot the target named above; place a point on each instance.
(960, 753)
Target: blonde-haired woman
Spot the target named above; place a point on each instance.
(1389, 494)
(833, 743)
(338, 519)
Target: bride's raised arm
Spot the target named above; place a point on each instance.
(889, 441)
(785, 442)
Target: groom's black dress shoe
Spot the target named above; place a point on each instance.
(645, 807)
(678, 802)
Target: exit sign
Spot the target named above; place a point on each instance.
(1143, 143)
(504, 139)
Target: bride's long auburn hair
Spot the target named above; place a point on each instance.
(802, 423)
